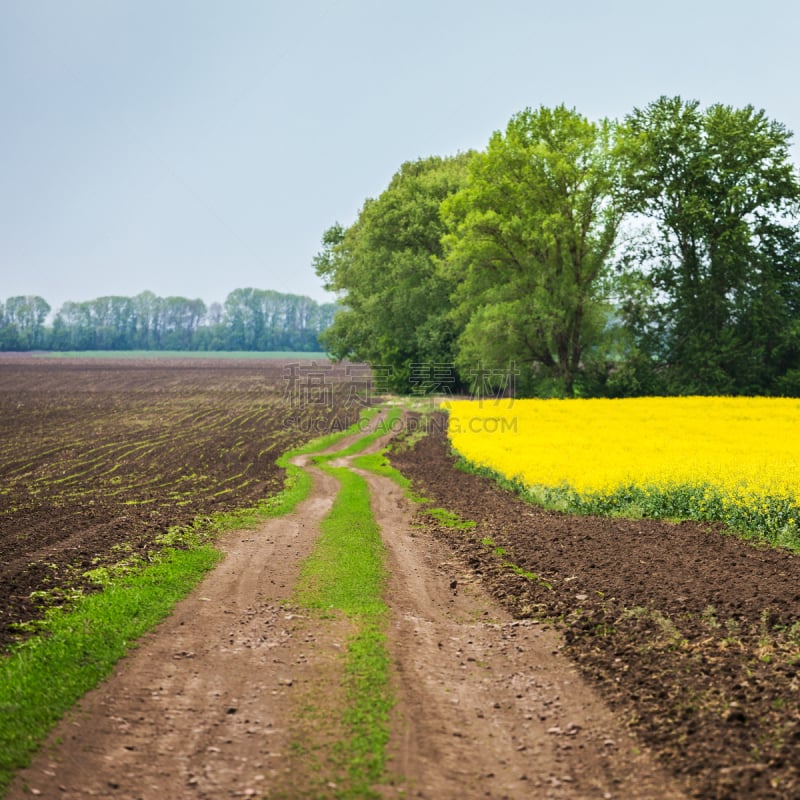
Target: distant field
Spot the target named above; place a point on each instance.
(278, 354)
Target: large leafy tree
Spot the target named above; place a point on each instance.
(395, 301)
(723, 262)
(530, 238)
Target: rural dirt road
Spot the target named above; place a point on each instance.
(209, 705)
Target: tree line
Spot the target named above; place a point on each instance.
(659, 254)
(249, 319)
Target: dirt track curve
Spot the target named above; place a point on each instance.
(207, 705)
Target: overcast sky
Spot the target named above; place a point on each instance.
(195, 147)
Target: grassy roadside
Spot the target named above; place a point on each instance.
(391, 422)
(75, 647)
(47, 674)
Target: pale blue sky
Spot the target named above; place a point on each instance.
(192, 148)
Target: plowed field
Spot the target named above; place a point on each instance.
(99, 457)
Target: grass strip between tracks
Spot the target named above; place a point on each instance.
(346, 574)
(75, 647)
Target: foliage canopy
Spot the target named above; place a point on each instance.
(250, 319)
(395, 300)
(723, 256)
(529, 242)
(523, 256)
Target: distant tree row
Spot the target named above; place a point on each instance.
(249, 319)
(659, 254)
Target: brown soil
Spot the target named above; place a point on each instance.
(691, 636)
(98, 457)
(214, 702)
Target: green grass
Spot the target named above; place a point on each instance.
(378, 463)
(222, 354)
(345, 574)
(345, 570)
(329, 440)
(390, 423)
(46, 675)
(450, 519)
(369, 703)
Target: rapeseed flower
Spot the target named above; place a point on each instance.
(736, 460)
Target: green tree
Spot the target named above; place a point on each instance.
(530, 238)
(147, 317)
(262, 319)
(395, 301)
(721, 195)
(72, 327)
(22, 325)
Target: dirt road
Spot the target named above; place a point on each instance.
(209, 705)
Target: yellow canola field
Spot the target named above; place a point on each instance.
(740, 453)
